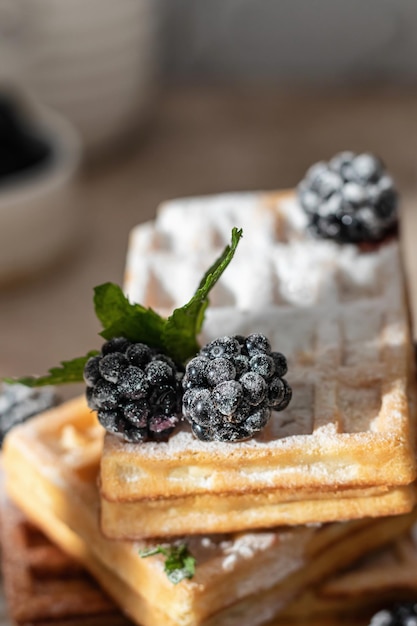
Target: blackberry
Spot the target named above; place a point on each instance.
(112, 365)
(219, 371)
(404, 614)
(195, 372)
(227, 397)
(231, 387)
(222, 347)
(254, 386)
(135, 390)
(350, 199)
(19, 402)
(92, 371)
(198, 403)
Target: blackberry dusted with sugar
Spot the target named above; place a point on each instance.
(232, 386)
(135, 390)
(350, 199)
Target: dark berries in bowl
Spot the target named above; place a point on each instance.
(350, 199)
(135, 390)
(232, 385)
(22, 148)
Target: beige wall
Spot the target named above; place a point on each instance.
(291, 40)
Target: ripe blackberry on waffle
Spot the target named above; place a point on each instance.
(245, 578)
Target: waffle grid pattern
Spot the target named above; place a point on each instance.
(42, 584)
(338, 314)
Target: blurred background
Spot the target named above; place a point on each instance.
(108, 108)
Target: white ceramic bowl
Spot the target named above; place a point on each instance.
(94, 61)
(38, 209)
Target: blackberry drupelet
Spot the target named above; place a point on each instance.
(404, 614)
(350, 199)
(231, 387)
(135, 390)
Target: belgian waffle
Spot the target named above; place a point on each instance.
(54, 602)
(199, 514)
(240, 579)
(383, 578)
(39, 581)
(43, 585)
(340, 316)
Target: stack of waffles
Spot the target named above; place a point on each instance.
(271, 521)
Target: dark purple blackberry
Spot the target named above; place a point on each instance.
(196, 375)
(135, 390)
(91, 371)
(350, 199)
(138, 354)
(117, 344)
(112, 365)
(222, 347)
(254, 387)
(231, 387)
(404, 614)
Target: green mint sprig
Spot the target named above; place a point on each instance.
(175, 335)
(68, 372)
(179, 562)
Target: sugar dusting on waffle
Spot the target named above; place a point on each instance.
(307, 295)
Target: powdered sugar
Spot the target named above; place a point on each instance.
(336, 313)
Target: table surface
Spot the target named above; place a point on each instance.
(198, 141)
(4, 620)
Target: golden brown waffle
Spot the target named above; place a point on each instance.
(206, 513)
(45, 586)
(240, 579)
(338, 314)
(31, 561)
(379, 580)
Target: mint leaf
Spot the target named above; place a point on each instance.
(69, 372)
(110, 303)
(176, 336)
(182, 327)
(152, 551)
(120, 318)
(179, 563)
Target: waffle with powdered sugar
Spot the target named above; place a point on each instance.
(51, 465)
(338, 313)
